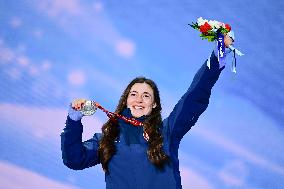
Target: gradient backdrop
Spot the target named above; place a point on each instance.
(52, 51)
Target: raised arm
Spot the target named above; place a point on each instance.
(194, 102)
(76, 154)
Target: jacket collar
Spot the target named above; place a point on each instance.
(131, 134)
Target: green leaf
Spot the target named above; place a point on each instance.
(194, 25)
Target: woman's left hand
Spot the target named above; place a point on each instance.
(228, 40)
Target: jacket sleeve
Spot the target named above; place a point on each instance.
(76, 154)
(194, 102)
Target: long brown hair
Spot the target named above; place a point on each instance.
(152, 125)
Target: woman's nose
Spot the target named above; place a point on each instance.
(139, 99)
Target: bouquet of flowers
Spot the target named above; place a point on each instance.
(213, 30)
(210, 29)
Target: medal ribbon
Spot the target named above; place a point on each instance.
(112, 116)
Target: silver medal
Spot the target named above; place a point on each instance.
(88, 108)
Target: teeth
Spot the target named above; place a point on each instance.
(138, 107)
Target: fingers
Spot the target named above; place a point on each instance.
(228, 40)
(77, 104)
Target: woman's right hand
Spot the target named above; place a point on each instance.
(77, 104)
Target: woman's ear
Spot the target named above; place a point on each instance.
(154, 105)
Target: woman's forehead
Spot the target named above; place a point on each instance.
(141, 88)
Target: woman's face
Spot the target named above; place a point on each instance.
(140, 99)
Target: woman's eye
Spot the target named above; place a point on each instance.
(132, 94)
(146, 96)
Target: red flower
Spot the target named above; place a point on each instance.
(205, 28)
(228, 27)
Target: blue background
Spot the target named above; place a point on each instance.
(54, 51)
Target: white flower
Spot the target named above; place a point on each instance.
(201, 21)
(212, 23)
(215, 24)
(220, 24)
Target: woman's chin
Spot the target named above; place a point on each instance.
(136, 114)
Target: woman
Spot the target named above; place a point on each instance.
(140, 157)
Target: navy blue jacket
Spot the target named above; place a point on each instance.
(130, 168)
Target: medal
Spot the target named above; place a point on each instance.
(88, 108)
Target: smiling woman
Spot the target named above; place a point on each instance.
(141, 99)
(140, 156)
